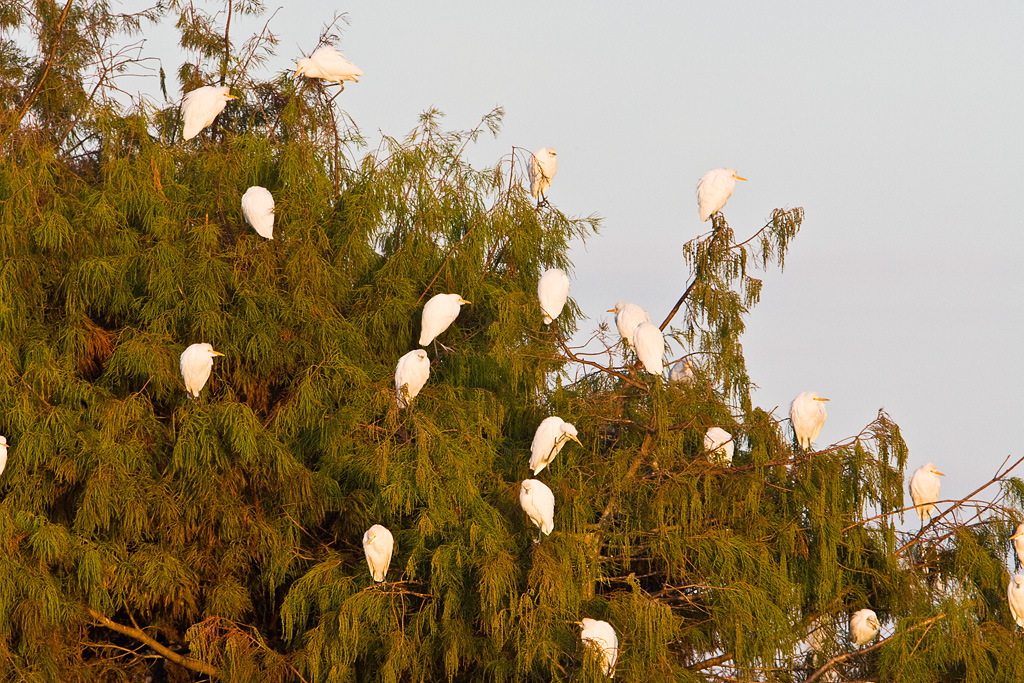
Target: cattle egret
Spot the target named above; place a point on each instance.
(553, 291)
(552, 434)
(720, 443)
(600, 636)
(200, 107)
(863, 627)
(410, 375)
(196, 364)
(650, 347)
(438, 313)
(627, 317)
(714, 189)
(378, 544)
(1018, 542)
(543, 166)
(924, 489)
(807, 415)
(258, 210)
(330, 65)
(3, 454)
(539, 504)
(1015, 595)
(682, 372)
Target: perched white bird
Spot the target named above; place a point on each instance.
(627, 317)
(682, 372)
(863, 627)
(438, 313)
(807, 415)
(553, 291)
(1015, 595)
(714, 189)
(258, 210)
(538, 502)
(1018, 542)
(720, 443)
(924, 489)
(378, 544)
(410, 375)
(3, 454)
(330, 65)
(649, 343)
(600, 636)
(200, 107)
(196, 364)
(543, 166)
(552, 434)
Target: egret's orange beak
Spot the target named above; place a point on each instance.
(938, 473)
(738, 178)
(1019, 534)
(463, 301)
(611, 310)
(217, 353)
(230, 97)
(575, 439)
(821, 399)
(297, 72)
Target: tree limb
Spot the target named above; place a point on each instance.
(46, 69)
(839, 659)
(138, 634)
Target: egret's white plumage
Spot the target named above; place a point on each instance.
(600, 636)
(627, 317)
(924, 489)
(196, 364)
(538, 502)
(807, 415)
(438, 313)
(378, 544)
(543, 166)
(410, 375)
(553, 291)
(1015, 596)
(650, 347)
(330, 65)
(1018, 542)
(200, 107)
(552, 433)
(682, 372)
(863, 627)
(3, 454)
(714, 189)
(719, 443)
(258, 210)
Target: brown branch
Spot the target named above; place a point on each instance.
(714, 661)
(573, 357)
(46, 69)
(138, 634)
(839, 659)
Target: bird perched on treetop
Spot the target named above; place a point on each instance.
(1018, 542)
(863, 627)
(1015, 595)
(682, 372)
(330, 65)
(411, 374)
(649, 343)
(538, 502)
(714, 189)
(600, 636)
(720, 443)
(627, 317)
(200, 107)
(378, 544)
(3, 454)
(552, 433)
(543, 166)
(553, 291)
(258, 210)
(924, 489)
(196, 364)
(438, 313)
(807, 415)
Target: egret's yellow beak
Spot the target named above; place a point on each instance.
(463, 301)
(217, 353)
(738, 178)
(938, 473)
(611, 310)
(821, 399)
(297, 72)
(575, 439)
(230, 97)
(1019, 534)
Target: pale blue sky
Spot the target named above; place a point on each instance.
(895, 125)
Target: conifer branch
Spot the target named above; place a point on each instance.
(576, 359)
(839, 659)
(138, 634)
(46, 69)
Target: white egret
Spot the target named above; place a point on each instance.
(1015, 595)
(600, 636)
(378, 544)
(863, 627)
(200, 107)
(553, 291)
(3, 454)
(720, 443)
(551, 435)
(924, 489)
(1018, 542)
(807, 415)
(411, 374)
(258, 210)
(649, 343)
(438, 313)
(538, 502)
(714, 189)
(330, 65)
(627, 317)
(543, 166)
(682, 372)
(196, 364)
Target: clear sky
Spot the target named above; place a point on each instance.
(897, 126)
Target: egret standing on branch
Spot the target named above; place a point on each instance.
(714, 189)
(650, 347)
(330, 65)
(807, 415)
(600, 636)
(438, 313)
(553, 291)
(552, 433)
(720, 443)
(411, 374)
(3, 454)
(538, 502)
(1015, 595)
(378, 544)
(863, 627)
(196, 364)
(682, 372)
(258, 210)
(924, 489)
(200, 107)
(627, 317)
(542, 169)
(1018, 542)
